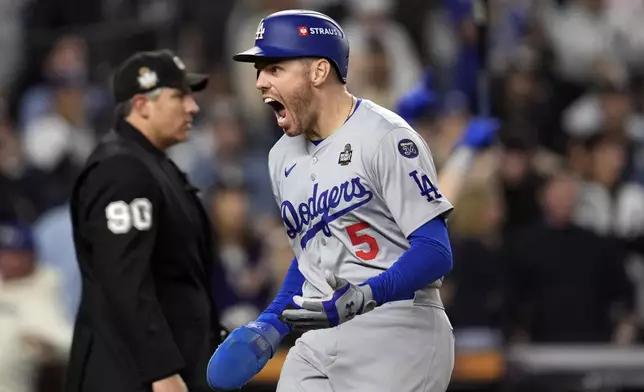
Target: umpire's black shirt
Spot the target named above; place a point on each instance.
(143, 245)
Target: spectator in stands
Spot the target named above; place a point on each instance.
(219, 152)
(66, 64)
(610, 205)
(521, 96)
(374, 73)
(19, 191)
(581, 35)
(473, 291)
(57, 144)
(33, 326)
(55, 249)
(520, 182)
(11, 36)
(370, 22)
(566, 282)
(243, 257)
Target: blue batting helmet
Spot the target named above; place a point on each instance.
(300, 33)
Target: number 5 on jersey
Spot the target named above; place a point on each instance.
(359, 239)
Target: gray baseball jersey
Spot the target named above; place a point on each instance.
(349, 203)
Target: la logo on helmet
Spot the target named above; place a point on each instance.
(260, 30)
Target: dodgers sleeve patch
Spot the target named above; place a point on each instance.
(407, 148)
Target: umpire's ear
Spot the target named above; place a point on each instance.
(140, 105)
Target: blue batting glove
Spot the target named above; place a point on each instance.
(415, 102)
(480, 133)
(245, 352)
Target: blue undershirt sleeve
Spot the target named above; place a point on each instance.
(428, 258)
(291, 286)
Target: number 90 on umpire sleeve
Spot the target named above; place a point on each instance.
(121, 216)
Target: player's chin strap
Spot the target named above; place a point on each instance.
(346, 302)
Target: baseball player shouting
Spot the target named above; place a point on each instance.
(356, 186)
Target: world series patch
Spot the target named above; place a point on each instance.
(345, 156)
(407, 148)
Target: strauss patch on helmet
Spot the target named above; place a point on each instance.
(324, 31)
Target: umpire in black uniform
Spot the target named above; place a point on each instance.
(147, 321)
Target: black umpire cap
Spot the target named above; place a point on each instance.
(147, 71)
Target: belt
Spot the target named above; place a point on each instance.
(429, 296)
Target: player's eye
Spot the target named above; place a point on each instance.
(269, 70)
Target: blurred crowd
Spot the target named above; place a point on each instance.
(548, 236)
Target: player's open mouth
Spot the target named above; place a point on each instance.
(278, 107)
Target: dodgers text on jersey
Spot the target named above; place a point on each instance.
(353, 192)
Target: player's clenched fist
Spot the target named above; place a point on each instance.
(347, 301)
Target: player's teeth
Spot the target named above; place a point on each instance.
(268, 100)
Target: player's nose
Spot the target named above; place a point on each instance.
(262, 81)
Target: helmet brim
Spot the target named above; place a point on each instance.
(256, 53)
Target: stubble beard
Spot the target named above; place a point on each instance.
(305, 116)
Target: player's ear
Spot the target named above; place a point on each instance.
(321, 70)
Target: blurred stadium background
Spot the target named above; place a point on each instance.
(547, 292)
